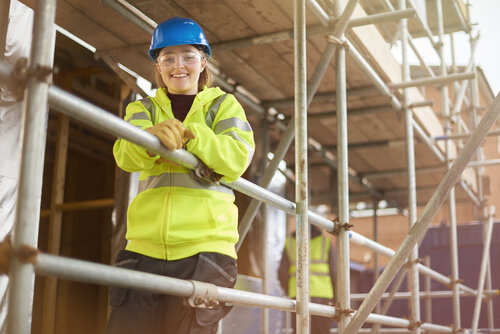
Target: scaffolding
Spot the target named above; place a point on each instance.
(35, 79)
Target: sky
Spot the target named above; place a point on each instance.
(485, 14)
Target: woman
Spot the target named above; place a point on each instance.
(179, 225)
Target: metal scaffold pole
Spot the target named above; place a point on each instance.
(451, 198)
(480, 172)
(301, 184)
(413, 275)
(388, 302)
(266, 274)
(83, 111)
(289, 133)
(483, 271)
(32, 160)
(342, 272)
(27, 215)
(419, 228)
(427, 284)
(94, 273)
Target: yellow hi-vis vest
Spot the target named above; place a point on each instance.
(320, 284)
(174, 215)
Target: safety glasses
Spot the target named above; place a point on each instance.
(185, 58)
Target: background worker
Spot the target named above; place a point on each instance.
(178, 225)
(321, 278)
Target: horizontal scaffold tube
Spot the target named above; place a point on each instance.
(361, 240)
(312, 30)
(435, 80)
(420, 227)
(425, 294)
(103, 120)
(99, 118)
(95, 273)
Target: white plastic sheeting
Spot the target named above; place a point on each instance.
(17, 44)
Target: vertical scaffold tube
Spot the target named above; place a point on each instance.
(265, 144)
(451, 197)
(482, 271)
(428, 300)
(301, 187)
(480, 172)
(417, 231)
(342, 279)
(289, 133)
(413, 275)
(31, 174)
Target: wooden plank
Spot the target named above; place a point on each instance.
(262, 59)
(254, 81)
(373, 127)
(372, 45)
(264, 17)
(109, 20)
(80, 25)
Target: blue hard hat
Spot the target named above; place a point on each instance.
(177, 31)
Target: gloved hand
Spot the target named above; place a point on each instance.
(171, 133)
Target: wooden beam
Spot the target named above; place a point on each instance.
(55, 224)
(128, 79)
(81, 205)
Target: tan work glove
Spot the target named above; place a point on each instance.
(171, 133)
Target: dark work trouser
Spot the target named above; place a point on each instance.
(143, 312)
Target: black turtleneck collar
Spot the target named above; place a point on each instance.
(181, 104)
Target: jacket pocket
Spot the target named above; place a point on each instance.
(190, 219)
(125, 260)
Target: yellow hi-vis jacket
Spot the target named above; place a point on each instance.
(320, 284)
(174, 215)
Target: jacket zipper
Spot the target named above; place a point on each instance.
(165, 220)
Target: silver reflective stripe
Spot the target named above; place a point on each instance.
(179, 180)
(313, 273)
(146, 102)
(233, 122)
(318, 261)
(247, 146)
(138, 115)
(214, 108)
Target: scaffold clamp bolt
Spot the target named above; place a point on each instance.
(204, 174)
(453, 282)
(204, 295)
(22, 73)
(337, 41)
(408, 264)
(414, 324)
(339, 311)
(337, 226)
(24, 254)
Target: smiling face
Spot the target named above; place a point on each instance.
(180, 67)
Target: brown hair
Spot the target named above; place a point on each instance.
(206, 76)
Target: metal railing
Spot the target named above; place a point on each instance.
(39, 92)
